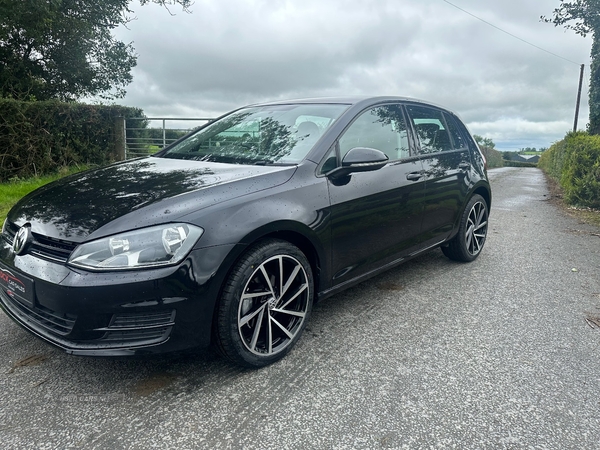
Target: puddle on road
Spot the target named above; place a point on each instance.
(153, 383)
(390, 286)
(513, 203)
(531, 187)
(33, 360)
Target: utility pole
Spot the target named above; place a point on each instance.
(578, 98)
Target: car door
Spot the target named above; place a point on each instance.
(375, 216)
(446, 167)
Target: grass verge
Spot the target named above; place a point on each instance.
(585, 215)
(12, 191)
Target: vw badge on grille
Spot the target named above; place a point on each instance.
(22, 239)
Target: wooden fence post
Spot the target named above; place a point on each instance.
(119, 151)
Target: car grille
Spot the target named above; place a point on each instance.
(58, 323)
(143, 320)
(131, 328)
(133, 336)
(42, 246)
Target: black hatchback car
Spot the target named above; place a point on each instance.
(230, 234)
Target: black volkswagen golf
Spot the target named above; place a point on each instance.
(229, 235)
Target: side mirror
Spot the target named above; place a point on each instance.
(360, 159)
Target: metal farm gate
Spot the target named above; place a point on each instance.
(145, 136)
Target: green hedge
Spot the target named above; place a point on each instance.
(493, 157)
(40, 137)
(575, 163)
(552, 161)
(510, 163)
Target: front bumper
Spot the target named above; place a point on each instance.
(119, 313)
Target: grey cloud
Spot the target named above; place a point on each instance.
(226, 54)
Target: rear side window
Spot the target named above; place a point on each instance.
(430, 128)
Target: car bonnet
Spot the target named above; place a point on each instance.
(137, 193)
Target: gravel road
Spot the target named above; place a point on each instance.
(433, 354)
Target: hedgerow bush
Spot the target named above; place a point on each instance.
(552, 160)
(509, 163)
(492, 156)
(40, 137)
(575, 163)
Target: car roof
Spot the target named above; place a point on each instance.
(350, 100)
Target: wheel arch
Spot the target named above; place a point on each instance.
(297, 234)
(486, 194)
(305, 246)
(481, 189)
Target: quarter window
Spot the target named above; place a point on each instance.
(469, 141)
(457, 138)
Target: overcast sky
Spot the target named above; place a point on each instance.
(228, 53)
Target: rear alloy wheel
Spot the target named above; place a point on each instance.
(265, 304)
(469, 241)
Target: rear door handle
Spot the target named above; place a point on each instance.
(464, 165)
(414, 176)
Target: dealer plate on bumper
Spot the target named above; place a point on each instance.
(18, 286)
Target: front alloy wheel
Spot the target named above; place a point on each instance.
(265, 304)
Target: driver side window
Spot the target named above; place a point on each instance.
(382, 128)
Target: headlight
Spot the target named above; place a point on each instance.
(147, 247)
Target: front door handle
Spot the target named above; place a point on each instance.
(464, 165)
(414, 176)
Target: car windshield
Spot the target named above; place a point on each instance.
(275, 134)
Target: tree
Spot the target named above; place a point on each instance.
(64, 49)
(486, 142)
(583, 17)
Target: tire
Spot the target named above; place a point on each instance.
(265, 304)
(469, 241)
